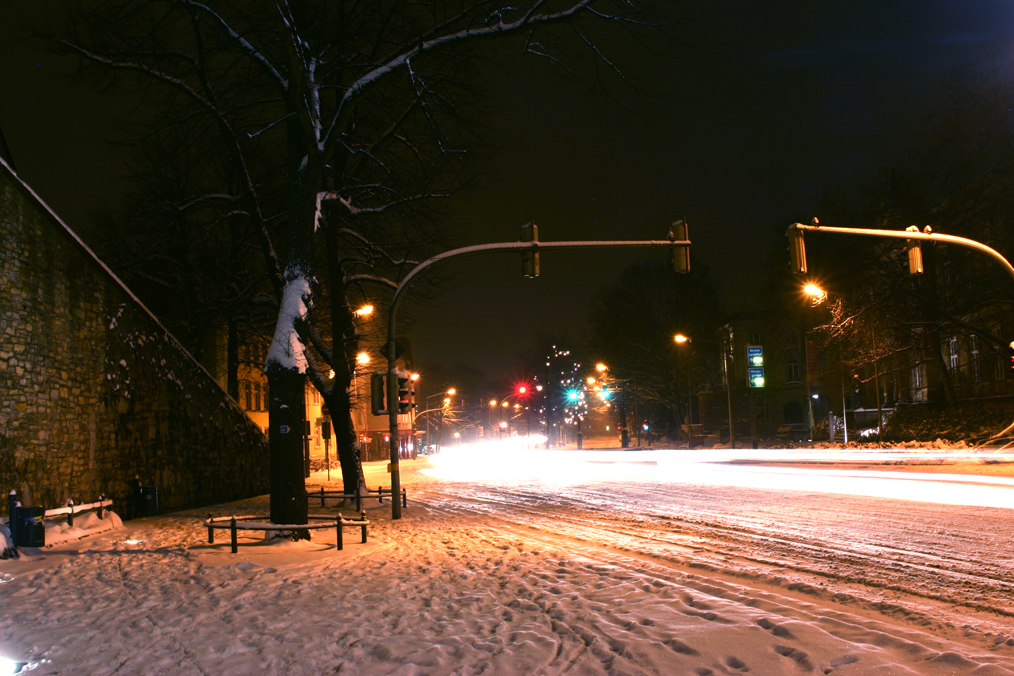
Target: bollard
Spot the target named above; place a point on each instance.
(321, 496)
(338, 526)
(211, 531)
(362, 516)
(12, 514)
(404, 497)
(102, 507)
(232, 528)
(70, 517)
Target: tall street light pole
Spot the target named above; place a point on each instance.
(683, 340)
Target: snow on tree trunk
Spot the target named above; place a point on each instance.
(286, 373)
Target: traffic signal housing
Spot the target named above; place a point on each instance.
(378, 393)
(405, 393)
(530, 257)
(680, 254)
(797, 250)
(914, 253)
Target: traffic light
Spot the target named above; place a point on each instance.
(404, 392)
(572, 395)
(914, 253)
(530, 257)
(378, 392)
(797, 249)
(680, 254)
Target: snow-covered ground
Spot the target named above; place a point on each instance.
(635, 564)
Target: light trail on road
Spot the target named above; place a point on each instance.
(770, 514)
(491, 464)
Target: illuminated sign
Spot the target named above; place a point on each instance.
(756, 376)
(754, 355)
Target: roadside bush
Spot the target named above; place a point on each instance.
(922, 422)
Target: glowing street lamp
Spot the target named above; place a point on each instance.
(817, 295)
(601, 367)
(362, 358)
(364, 310)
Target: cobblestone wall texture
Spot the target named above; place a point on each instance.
(93, 391)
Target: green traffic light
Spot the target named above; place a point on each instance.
(572, 395)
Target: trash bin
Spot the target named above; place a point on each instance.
(31, 527)
(147, 500)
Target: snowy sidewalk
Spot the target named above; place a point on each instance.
(445, 590)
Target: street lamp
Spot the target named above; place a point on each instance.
(817, 297)
(680, 339)
(446, 403)
(364, 310)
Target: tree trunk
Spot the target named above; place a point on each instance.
(344, 440)
(285, 442)
(232, 360)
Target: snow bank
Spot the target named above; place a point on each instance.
(471, 581)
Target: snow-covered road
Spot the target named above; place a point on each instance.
(584, 567)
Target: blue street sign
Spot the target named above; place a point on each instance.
(756, 376)
(284, 429)
(754, 355)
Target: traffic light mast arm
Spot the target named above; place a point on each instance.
(392, 383)
(912, 234)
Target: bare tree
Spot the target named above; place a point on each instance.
(361, 102)
(633, 324)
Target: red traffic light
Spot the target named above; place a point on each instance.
(522, 389)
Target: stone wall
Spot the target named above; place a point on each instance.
(93, 390)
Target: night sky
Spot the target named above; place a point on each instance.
(765, 107)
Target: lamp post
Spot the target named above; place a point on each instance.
(681, 340)
(449, 393)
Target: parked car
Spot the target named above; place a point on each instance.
(794, 432)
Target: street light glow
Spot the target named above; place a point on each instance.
(600, 367)
(680, 338)
(817, 295)
(365, 310)
(452, 391)
(362, 358)
(414, 377)
(492, 403)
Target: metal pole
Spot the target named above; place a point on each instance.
(753, 420)
(728, 390)
(809, 393)
(914, 234)
(844, 406)
(690, 409)
(392, 385)
(690, 415)
(876, 383)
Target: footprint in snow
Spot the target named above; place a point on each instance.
(843, 660)
(775, 629)
(736, 663)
